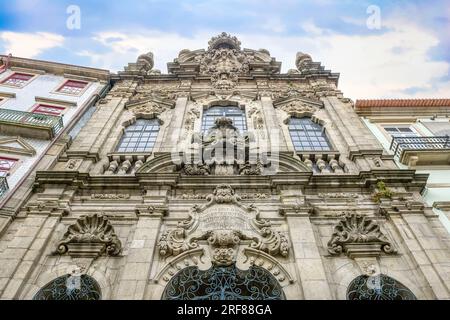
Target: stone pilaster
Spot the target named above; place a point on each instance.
(173, 134)
(136, 271)
(307, 258)
(426, 249)
(21, 256)
(273, 127)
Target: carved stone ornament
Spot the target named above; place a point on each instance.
(223, 224)
(224, 151)
(149, 109)
(90, 236)
(191, 118)
(298, 107)
(357, 235)
(224, 62)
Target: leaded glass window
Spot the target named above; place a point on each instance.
(234, 113)
(223, 283)
(70, 287)
(307, 135)
(379, 287)
(140, 137)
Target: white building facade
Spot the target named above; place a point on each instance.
(40, 102)
(416, 133)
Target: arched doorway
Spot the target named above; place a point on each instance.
(380, 287)
(70, 287)
(223, 283)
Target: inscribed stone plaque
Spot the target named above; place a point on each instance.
(225, 217)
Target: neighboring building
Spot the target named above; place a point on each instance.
(225, 179)
(416, 132)
(42, 106)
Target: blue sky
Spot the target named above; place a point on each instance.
(407, 57)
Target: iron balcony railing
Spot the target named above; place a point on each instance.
(399, 144)
(3, 186)
(54, 123)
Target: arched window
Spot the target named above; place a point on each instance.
(234, 113)
(140, 136)
(223, 283)
(379, 287)
(307, 135)
(70, 287)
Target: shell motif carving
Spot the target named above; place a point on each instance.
(357, 229)
(91, 230)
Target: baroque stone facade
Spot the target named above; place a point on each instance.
(226, 186)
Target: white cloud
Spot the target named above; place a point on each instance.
(29, 45)
(310, 28)
(273, 24)
(378, 65)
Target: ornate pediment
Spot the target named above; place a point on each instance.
(224, 62)
(90, 236)
(298, 107)
(149, 107)
(224, 224)
(356, 235)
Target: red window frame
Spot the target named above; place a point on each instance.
(15, 74)
(36, 110)
(66, 84)
(4, 170)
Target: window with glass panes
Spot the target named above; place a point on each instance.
(307, 135)
(400, 131)
(6, 165)
(139, 137)
(73, 87)
(18, 79)
(49, 110)
(234, 113)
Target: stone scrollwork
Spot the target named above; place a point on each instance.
(357, 235)
(90, 236)
(224, 62)
(197, 170)
(272, 242)
(191, 118)
(173, 243)
(149, 109)
(224, 224)
(298, 107)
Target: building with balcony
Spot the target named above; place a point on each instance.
(224, 178)
(416, 133)
(41, 104)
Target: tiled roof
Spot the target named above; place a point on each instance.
(395, 103)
